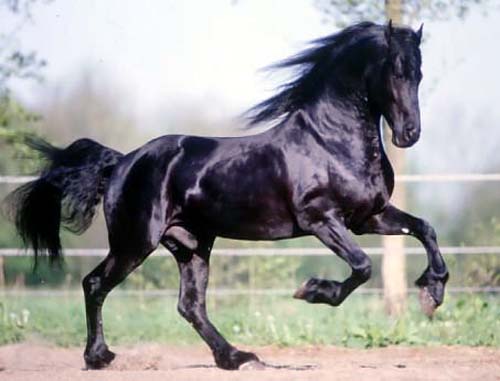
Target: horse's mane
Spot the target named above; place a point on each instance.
(313, 65)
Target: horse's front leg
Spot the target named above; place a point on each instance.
(392, 221)
(336, 237)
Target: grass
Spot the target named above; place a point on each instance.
(359, 322)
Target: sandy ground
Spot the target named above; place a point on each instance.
(34, 361)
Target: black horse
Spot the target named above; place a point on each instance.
(321, 170)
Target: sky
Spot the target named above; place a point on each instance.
(159, 57)
(164, 52)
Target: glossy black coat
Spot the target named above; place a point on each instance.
(321, 170)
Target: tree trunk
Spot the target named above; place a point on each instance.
(394, 261)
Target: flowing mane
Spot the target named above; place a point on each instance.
(326, 62)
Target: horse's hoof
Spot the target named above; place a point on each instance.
(98, 359)
(432, 288)
(236, 360)
(302, 291)
(320, 291)
(427, 302)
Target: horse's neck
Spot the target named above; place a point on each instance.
(350, 124)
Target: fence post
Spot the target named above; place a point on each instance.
(393, 261)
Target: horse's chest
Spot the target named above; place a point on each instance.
(353, 195)
(367, 194)
(349, 195)
(364, 198)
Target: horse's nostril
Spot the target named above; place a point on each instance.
(411, 132)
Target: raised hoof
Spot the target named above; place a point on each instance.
(427, 302)
(237, 360)
(320, 291)
(99, 358)
(431, 291)
(301, 292)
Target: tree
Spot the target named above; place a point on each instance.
(14, 63)
(343, 12)
(15, 120)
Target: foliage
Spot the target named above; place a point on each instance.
(359, 322)
(344, 12)
(15, 127)
(158, 273)
(12, 324)
(273, 272)
(15, 121)
(479, 270)
(477, 224)
(14, 62)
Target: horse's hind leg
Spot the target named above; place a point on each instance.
(335, 235)
(96, 285)
(135, 208)
(393, 221)
(193, 268)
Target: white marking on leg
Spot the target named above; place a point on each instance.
(405, 230)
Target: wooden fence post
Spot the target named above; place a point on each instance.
(393, 261)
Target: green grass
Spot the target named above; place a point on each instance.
(359, 322)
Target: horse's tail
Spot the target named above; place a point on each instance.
(67, 191)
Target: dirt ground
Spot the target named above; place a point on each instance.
(35, 361)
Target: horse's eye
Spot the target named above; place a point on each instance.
(398, 74)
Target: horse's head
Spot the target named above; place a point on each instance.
(398, 87)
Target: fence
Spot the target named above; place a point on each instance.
(450, 250)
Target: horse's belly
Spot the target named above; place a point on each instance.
(249, 228)
(258, 220)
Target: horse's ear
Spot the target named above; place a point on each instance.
(419, 33)
(388, 32)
